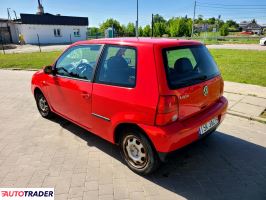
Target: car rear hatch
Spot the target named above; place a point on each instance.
(193, 77)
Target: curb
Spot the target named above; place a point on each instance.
(258, 119)
(251, 95)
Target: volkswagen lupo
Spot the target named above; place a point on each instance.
(148, 96)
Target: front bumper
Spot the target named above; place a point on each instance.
(181, 133)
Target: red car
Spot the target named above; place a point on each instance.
(149, 96)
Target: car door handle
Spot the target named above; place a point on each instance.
(86, 95)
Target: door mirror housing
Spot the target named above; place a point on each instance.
(48, 70)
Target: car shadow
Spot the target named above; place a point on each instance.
(218, 167)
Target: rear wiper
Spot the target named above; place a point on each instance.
(203, 77)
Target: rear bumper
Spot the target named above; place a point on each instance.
(174, 136)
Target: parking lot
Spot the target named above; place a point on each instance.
(35, 152)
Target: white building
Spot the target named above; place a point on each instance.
(46, 28)
(52, 29)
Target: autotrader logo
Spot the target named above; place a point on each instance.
(27, 193)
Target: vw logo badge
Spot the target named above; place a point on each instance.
(205, 90)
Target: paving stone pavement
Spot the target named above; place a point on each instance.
(35, 152)
(246, 100)
(250, 107)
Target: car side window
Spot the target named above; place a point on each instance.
(78, 62)
(118, 66)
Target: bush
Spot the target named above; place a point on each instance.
(224, 30)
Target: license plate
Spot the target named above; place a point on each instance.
(209, 125)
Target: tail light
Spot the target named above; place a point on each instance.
(222, 87)
(167, 110)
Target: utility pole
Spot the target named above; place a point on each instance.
(8, 14)
(137, 22)
(192, 30)
(217, 26)
(219, 17)
(38, 38)
(15, 14)
(152, 25)
(113, 32)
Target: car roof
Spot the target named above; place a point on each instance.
(140, 40)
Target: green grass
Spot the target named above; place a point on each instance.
(243, 66)
(28, 60)
(231, 41)
(232, 38)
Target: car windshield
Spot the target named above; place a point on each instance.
(188, 65)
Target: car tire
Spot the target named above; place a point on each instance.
(43, 106)
(265, 43)
(138, 153)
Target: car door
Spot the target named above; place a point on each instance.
(70, 88)
(114, 87)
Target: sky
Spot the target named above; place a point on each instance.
(125, 10)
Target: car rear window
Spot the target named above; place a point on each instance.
(188, 65)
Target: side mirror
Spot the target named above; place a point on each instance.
(48, 69)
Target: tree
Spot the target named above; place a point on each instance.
(140, 31)
(211, 20)
(224, 30)
(158, 18)
(183, 28)
(179, 27)
(200, 17)
(109, 23)
(173, 26)
(123, 30)
(93, 31)
(147, 31)
(159, 29)
(199, 20)
(188, 28)
(130, 30)
(231, 23)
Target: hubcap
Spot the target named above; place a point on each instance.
(135, 151)
(43, 105)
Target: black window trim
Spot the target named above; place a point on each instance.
(97, 68)
(70, 49)
(56, 32)
(165, 63)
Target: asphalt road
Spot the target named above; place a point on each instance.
(28, 48)
(35, 152)
(238, 46)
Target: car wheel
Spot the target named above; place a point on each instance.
(138, 153)
(43, 106)
(265, 43)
